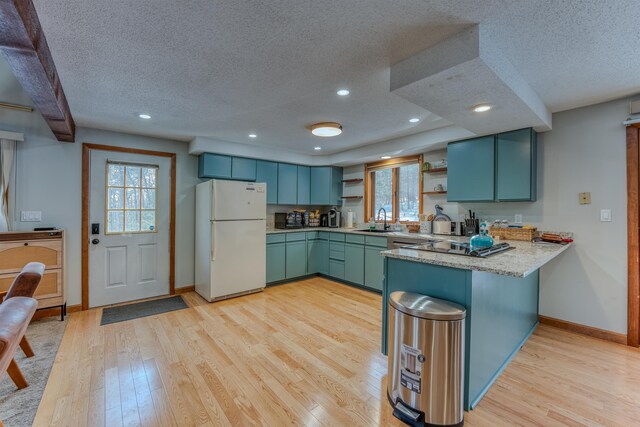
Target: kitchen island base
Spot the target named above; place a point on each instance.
(502, 312)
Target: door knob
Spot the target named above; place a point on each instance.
(95, 241)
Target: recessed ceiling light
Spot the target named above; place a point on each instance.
(481, 108)
(317, 148)
(144, 116)
(385, 157)
(326, 129)
(253, 135)
(414, 120)
(343, 92)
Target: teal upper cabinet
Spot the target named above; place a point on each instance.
(326, 185)
(304, 185)
(516, 165)
(214, 166)
(268, 172)
(471, 170)
(243, 169)
(287, 184)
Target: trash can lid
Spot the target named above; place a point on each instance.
(426, 307)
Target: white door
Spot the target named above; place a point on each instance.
(130, 202)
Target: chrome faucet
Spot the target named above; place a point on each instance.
(385, 226)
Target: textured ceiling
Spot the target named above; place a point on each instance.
(224, 69)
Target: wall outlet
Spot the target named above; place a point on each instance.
(518, 219)
(584, 198)
(30, 216)
(605, 215)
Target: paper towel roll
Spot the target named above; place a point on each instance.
(350, 219)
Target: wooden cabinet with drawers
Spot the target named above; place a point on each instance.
(17, 248)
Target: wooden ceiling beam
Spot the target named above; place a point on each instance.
(24, 46)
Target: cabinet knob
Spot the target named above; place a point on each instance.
(26, 244)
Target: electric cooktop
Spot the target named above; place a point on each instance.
(458, 248)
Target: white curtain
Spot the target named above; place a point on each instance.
(7, 158)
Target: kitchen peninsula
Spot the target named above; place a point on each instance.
(500, 294)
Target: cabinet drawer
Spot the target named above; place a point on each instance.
(296, 237)
(376, 241)
(355, 238)
(323, 235)
(15, 255)
(336, 237)
(275, 238)
(50, 285)
(312, 235)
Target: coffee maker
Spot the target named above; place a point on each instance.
(334, 218)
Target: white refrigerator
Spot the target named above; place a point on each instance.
(231, 242)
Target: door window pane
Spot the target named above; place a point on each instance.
(383, 194)
(131, 198)
(132, 221)
(408, 192)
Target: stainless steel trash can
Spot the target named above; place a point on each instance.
(426, 359)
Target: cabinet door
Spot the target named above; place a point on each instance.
(471, 170)
(322, 259)
(373, 267)
(336, 269)
(321, 185)
(267, 172)
(304, 184)
(214, 166)
(296, 264)
(243, 169)
(287, 184)
(516, 165)
(354, 263)
(336, 186)
(276, 262)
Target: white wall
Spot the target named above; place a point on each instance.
(49, 175)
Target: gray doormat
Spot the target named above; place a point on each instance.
(141, 309)
(18, 407)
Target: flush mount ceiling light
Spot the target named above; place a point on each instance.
(414, 120)
(343, 92)
(144, 116)
(385, 157)
(326, 129)
(253, 135)
(317, 148)
(481, 108)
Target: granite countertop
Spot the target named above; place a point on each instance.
(355, 231)
(524, 259)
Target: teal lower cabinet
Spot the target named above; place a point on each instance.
(502, 312)
(354, 263)
(336, 268)
(373, 267)
(276, 261)
(322, 251)
(296, 255)
(374, 262)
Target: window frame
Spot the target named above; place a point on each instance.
(369, 185)
(124, 187)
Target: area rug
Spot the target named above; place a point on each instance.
(18, 407)
(141, 309)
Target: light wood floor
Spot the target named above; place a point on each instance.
(306, 353)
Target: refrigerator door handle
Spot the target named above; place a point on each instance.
(213, 243)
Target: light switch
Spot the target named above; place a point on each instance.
(518, 219)
(584, 198)
(605, 215)
(30, 216)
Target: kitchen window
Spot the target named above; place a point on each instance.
(131, 197)
(396, 186)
